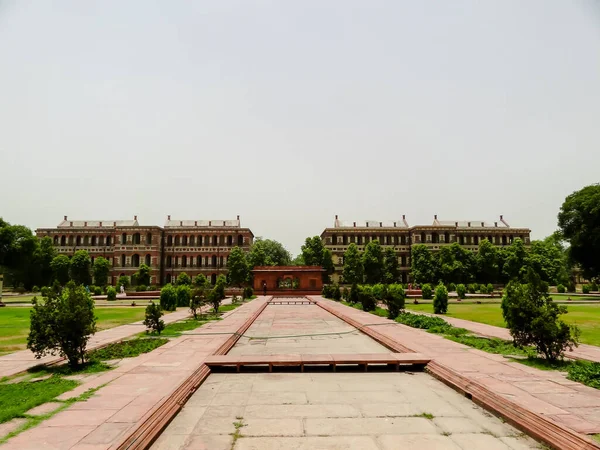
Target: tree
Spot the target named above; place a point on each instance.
(515, 257)
(60, 268)
(298, 260)
(366, 298)
(440, 300)
(101, 271)
(394, 300)
(42, 260)
(314, 253)
(534, 319)
(266, 252)
(217, 294)
(549, 259)
(62, 324)
(183, 280)
(200, 281)
(455, 264)
(142, 275)
(422, 264)
(238, 267)
(123, 281)
(198, 300)
(579, 225)
(168, 298)
(488, 270)
(17, 248)
(153, 319)
(184, 294)
(81, 268)
(391, 269)
(353, 268)
(327, 264)
(373, 262)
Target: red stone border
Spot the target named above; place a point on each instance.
(143, 435)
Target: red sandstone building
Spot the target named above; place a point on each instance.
(191, 246)
(399, 236)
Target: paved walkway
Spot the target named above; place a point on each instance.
(23, 360)
(547, 393)
(586, 352)
(129, 393)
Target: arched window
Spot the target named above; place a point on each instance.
(170, 241)
(230, 240)
(78, 241)
(92, 260)
(447, 237)
(215, 240)
(192, 241)
(199, 261)
(94, 240)
(207, 261)
(214, 261)
(149, 239)
(136, 239)
(135, 260)
(177, 241)
(123, 239)
(86, 241)
(240, 240)
(358, 240)
(476, 240)
(423, 237)
(184, 261)
(169, 261)
(184, 240)
(435, 238)
(101, 240)
(221, 262)
(63, 241)
(70, 240)
(55, 240)
(213, 278)
(123, 260)
(199, 241)
(108, 241)
(148, 260)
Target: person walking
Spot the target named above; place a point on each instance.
(264, 288)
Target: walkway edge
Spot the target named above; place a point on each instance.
(143, 434)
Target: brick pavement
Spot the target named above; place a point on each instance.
(547, 393)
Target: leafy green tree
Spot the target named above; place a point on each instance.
(391, 268)
(353, 297)
(111, 293)
(461, 291)
(81, 268)
(200, 281)
(153, 319)
(101, 271)
(314, 253)
(18, 246)
(534, 319)
(373, 262)
(426, 291)
(183, 280)
(515, 258)
(488, 270)
(62, 324)
(123, 281)
(184, 295)
(353, 268)
(579, 225)
(440, 300)
(60, 267)
(143, 275)
(423, 265)
(238, 267)
(394, 300)
(455, 264)
(549, 259)
(42, 260)
(168, 298)
(267, 252)
(217, 294)
(327, 264)
(198, 300)
(298, 260)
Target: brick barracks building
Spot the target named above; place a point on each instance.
(191, 246)
(401, 237)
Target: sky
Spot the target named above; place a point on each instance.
(288, 113)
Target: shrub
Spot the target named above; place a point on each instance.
(366, 298)
(337, 294)
(586, 288)
(97, 290)
(168, 298)
(35, 289)
(217, 294)
(153, 319)
(593, 286)
(379, 291)
(353, 297)
(200, 280)
(394, 300)
(184, 294)
(440, 301)
(111, 293)
(183, 280)
(345, 293)
(152, 288)
(247, 293)
(534, 319)
(123, 281)
(141, 288)
(426, 291)
(327, 291)
(63, 324)
(490, 288)
(421, 321)
(561, 289)
(451, 287)
(461, 291)
(197, 301)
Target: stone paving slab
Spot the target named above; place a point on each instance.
(133, 390)
(573, 405)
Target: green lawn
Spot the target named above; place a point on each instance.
(14, 324)
(586, 317)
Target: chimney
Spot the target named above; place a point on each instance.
(85, 224)
(223, 223)
(195, 223)
(134, 217)
(181, 223)
(114, 224)
(394, 224)
(501, 217)
(495, 224)
(435, 217)
(354, 224)
(336, 217)
(65, 218)
(380, 224)
(455, 224)
(100, 223)
(367, 224)
(210, 223)
(403, 216)
(468, 224)
(483, 224)
(71, 223)
(238, 217)
(169, 217)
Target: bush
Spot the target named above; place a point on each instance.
(534, 319)
(63, 324)
(197, 301)
(97, 290)
(345, 293)
(327, 291)
(168, 298)
(440, 301)
(586, 288)
(571, 287)
(337, 294)
(593, 286)
(394, 300)
(247, 293)
(379, 291)
(184, 294)
(217, 294)
(426, 292)
(141, 288)
(421, 321)
(366, 298)
(451, 287)
(490, 288)
(353, 297)
(111, 293)
(561, 289)
(35, 289)
(461, 291)
(153, 319)
(200, 280)
(183, 280)
(123, 281)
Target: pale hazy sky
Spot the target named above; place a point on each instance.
(288, 113)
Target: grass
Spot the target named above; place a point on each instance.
(126, 349)
(175, 329)
(586, 317)
(14, 324)
(377, 311)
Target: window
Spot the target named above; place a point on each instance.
(184, 261)
(191, 241)
(199, 261)
(93, 240)
(170, 241)
(122, 260)
(177, 241)
(229, 241)
(123, 239)
(136, 239)
(63, 241)
(148, 260)
(169, 261)
(78, 240)
(240, 240)
(108, 241)
(149, 239)
(184, 240)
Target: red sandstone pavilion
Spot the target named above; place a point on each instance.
(191, 246)
(288, 280)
